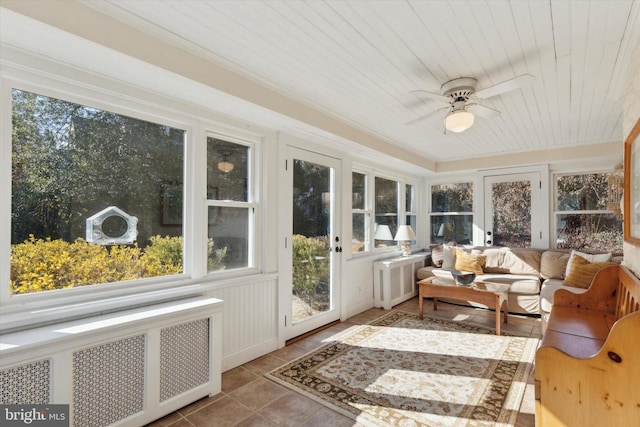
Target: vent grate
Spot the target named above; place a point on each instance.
(108, 382)
(26, 384)
(184, 357)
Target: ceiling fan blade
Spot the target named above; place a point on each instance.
(432, 95)
(426, 116)
(506, 86)
(483, 111)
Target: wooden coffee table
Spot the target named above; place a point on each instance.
(493, 295)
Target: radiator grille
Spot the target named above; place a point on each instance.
(184, 357)
(26, 384)
(108, 382)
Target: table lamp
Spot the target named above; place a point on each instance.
(405, 234)
(382, 233)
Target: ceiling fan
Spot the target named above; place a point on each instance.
(464, 102)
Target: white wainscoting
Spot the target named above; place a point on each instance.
(249, 320)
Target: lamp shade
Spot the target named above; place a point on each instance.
(405, 232)
(383, 233)
(459, 121)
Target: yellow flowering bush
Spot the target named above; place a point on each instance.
(41, 265)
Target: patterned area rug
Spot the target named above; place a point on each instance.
(402, 371)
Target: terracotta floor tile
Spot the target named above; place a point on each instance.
(221, 413)
(291, 410)
(236, 378)
(264, 364)
(258, 394)
(166, 421)
(256, 420)
(326, 417)
(199, 404)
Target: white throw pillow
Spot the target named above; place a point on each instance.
(448, 257)
(589, 257)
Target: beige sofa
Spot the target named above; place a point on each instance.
(533, 274)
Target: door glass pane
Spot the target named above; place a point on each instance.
(511, 203)
(312, 207)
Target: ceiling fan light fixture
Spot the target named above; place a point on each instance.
(459, 121)
(225, 165)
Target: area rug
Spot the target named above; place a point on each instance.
(402, 371)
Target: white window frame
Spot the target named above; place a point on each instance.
(135, 103)
(556, 213)
(251, 204)
(401, 183)
(367, 211)
(474, 204)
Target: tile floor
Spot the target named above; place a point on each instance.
(249, 399)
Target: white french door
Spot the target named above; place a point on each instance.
(312, 244)
(513, 210)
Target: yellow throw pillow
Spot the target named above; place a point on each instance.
(582, 271)
(469, 262)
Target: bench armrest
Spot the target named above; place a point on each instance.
(601, 295)
(598, 390)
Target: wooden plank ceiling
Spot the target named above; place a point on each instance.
(359, 61)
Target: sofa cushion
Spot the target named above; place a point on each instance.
(549, 287)
(581, 271)
(518, 283)
(494, 261)
(469, 262)
(553, 264)
(605, 257)
(522, 261)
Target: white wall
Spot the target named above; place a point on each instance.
(631, 107)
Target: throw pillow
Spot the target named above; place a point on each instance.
(469, 262)
(448, 257)
(553, 264)
(589, 257)
(582, 271)
(437, 255)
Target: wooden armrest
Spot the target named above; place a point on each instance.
(598, 390)
(601, 295)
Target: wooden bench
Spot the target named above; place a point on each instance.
(587, 369)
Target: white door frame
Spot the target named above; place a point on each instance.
(285, 328)
(540, 237)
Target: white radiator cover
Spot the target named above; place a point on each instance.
(126, 369)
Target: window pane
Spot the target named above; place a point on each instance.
(582, 192)
(452, 197)
(451, 228)
(410, 199)
(360, 226)
(386, 207)
(92, 194)
(227, 170)
(589, 232)
(359, 191)
(228, 238)
(412, 220)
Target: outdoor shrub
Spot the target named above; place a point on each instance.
(310, 266)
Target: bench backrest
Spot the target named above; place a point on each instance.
(628, 294)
